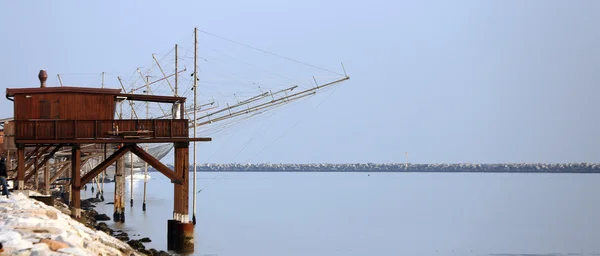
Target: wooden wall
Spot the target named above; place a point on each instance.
(64, 106)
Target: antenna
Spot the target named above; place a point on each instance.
(176, 67)
(59, 80)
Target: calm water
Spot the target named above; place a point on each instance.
(332, 214)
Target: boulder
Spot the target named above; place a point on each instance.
(101, 217)
(54, 245)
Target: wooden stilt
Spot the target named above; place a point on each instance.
(119, 207)
(180, 233)
(21, 167)
(35, 173)
(44, 161)
(76, 181)
(47, 180)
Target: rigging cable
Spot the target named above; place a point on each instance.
(267, 52)
(280, 136)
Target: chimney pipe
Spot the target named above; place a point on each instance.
(43, 76)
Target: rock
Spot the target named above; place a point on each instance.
(85, 204)
(51, 214)
(73, 240)
(92, 200)
(73, 251)
(136, 244)
(121, 235)
(54, 245)
(48, 200)
(122, 238)
(145, 240)
(101, 217)
(103, 227)
(40, 249)
(152, 252)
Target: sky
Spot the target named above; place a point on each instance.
(445, 81)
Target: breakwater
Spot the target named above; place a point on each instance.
(403, 167)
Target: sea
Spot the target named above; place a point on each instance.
(360, 213)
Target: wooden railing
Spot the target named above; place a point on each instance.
(99, 129)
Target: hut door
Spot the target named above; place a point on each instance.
(55, 109)
(44, 109)
(49, 109)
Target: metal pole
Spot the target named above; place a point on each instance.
(176, 73)
(146, 148)
(195, 110)
(131, 178)
(103, 175)
(59, 80)
(131, 167)
(102, 79)
(163, 72)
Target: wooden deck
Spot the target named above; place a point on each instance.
(101, 131)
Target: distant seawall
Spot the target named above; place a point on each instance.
(447, 168)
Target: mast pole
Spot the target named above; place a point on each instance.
(195, 103)
(131, 163)
(146, 148)
(176, 73)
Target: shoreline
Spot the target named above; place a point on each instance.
(97, 221)
(30, 226)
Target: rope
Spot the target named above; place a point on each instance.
(267, 52)
(303, 117)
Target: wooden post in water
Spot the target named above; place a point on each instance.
(131, 178)
(76, 181)
(119, 212)
(180, 231)
(103, 176)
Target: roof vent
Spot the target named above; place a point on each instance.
(43, 76)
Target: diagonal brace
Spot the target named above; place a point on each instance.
(102, 166)
(156, 164)
(41, 164)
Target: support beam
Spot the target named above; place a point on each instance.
(156, 164)
(26, 158)
(76, 181)
(119, 206)
(105, 164)
(44, 161)
(57, 175)
(47, 180)
(21, 167)
(34, 157)
(180, 231)
(35, 171)
(182, 170)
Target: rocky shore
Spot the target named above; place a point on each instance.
(93, 219)
(31, 227)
